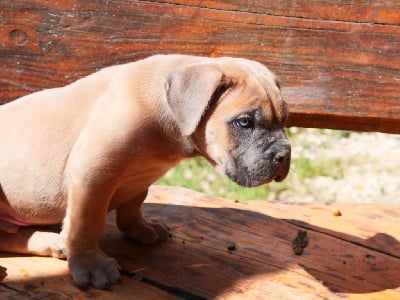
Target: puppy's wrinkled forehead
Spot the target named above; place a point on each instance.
(258, 85)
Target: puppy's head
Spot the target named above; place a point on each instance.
(233, 112)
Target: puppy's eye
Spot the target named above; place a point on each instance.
(244, 122)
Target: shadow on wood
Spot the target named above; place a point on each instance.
(196, 263)
(263, 247)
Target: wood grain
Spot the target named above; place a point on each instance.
(385, 12)
(338, 61)
(354, 256)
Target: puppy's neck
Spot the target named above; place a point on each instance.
(191, 146)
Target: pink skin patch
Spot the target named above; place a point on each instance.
(10, 220)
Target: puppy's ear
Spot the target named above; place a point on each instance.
(191, 90)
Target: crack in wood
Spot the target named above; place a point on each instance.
(256, 13)
(13, 289)
(167, 288)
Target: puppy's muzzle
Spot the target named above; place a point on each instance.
(257, 167)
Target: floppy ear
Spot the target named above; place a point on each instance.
(191, 90)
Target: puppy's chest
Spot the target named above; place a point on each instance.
(138, 177)
(150, 161)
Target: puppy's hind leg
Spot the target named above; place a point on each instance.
(136, 226)
(34, 241)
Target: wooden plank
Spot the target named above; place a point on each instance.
(48, 278)
(381, 11)
(313, 215)
(340, 262)
(338, 70)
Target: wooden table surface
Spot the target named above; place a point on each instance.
(352, 256)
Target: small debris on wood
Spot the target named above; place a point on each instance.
(336, 213)
(300, 242)
(231, 247)
(3, 273)
(236, 201)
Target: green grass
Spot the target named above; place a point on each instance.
(197, 174)
(310, 168)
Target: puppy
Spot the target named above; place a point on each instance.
(69, 155)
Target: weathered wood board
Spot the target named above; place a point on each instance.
(338, 61)
(353, 256)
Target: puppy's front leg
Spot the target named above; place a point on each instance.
(83, 226)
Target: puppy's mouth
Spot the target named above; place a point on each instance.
(279, 178)
(247, 181)
(256, 175)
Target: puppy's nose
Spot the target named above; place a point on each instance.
(282, 157)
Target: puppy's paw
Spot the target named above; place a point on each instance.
(58, 250)
(97, 270)
(47, 244)
(149, 232)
